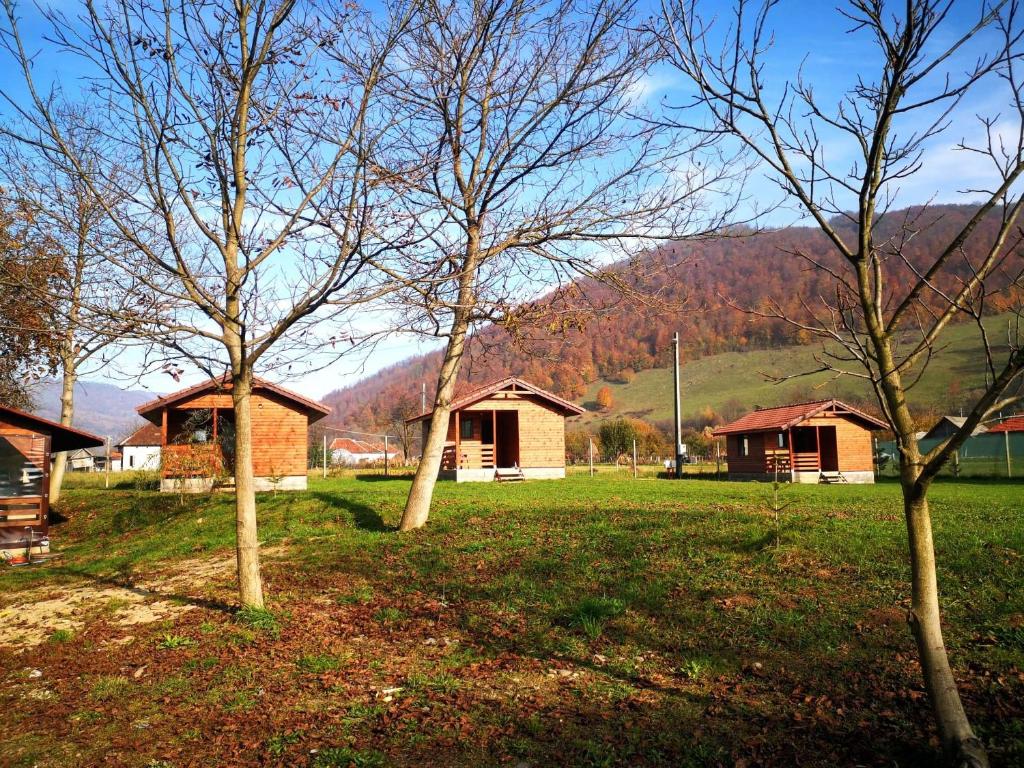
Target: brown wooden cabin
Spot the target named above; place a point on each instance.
(506, 425)
(26, 444)
(822, 441)
(197, 427)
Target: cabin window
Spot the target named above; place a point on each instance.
(201, 436)
(744, 445)
(131, 460)
(466, 431)
(782, 439)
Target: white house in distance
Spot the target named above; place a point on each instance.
(141, 449)
(349, 452)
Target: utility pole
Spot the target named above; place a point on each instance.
(591, 456)
(634, 458)
(325, 456)
(106, 479)
(675, 403)
(385, 455)
(423, 397)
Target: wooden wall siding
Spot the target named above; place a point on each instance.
(755, 462)
(541, 429)
(279, 432)
(854, 443)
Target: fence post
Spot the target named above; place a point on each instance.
(718, 461)
(324, 462)
(1009, 471)
(106, 479)
(385, 455)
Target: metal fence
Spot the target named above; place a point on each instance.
(999, 454)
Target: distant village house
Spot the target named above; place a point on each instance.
(350, 453)
(141, 449)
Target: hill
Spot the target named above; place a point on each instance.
(695, 289)
(723, 386)
(102, 409)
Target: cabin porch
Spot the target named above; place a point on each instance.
(480, 442)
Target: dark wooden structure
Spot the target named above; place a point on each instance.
(820, 441)
(26, 444)
(197, 436)
(506, 425)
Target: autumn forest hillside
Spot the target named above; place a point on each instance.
(595, 337)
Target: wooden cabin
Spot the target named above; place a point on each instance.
(197, 428)
(822, 441)
(505, 429)
(26, 445)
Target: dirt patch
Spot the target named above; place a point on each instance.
(29, 623)
(38, 613)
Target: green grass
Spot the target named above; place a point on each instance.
(589, 621)
(737, 379)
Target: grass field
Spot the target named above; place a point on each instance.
(740, 376)
(587, 622)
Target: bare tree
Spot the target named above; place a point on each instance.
(522, 157)
(885, 320)
(86, 301)
(254, 145)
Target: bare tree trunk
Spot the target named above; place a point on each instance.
(250, 584)
(417, 508)
(67, 412)
(962, 747)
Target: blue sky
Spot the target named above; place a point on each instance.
(805, 32)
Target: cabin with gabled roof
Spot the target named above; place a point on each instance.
(818, 442)
(506, 429)
(27, 443)
(197, 427)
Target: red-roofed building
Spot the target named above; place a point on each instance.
(349, 452)
(821, 441)
(506, 425)
(1012, 424)
(141, 449)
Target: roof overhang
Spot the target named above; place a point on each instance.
(61, 438)
(151, 410)
(510, 384)
(739, 427)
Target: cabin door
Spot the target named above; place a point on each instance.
(829, 449)
(507, 439)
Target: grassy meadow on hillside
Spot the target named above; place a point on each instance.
(587, 622)
(739, 379)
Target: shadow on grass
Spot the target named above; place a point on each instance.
(393, 475)
(365, 518)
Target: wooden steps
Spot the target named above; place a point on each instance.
(831, 478)
(509, 475)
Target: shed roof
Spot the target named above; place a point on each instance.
(61, 438)
(514, 384)
(313, 410)
(785, 417)
(956, 422)
(146, 435)
(1012, 424)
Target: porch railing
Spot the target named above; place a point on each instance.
(780, 461)
(471, 456)
(192, 460)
